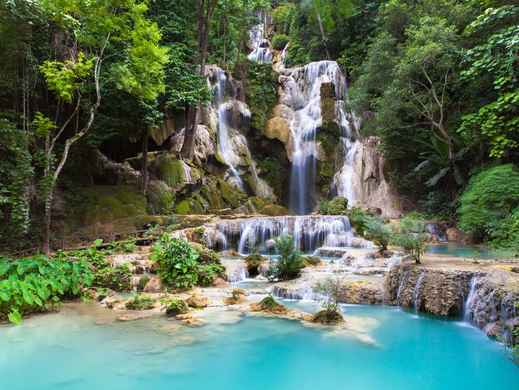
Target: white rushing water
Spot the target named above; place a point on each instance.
(309, 232)
(471, 299)
(302, 92)
(260, 46)
(224, 142)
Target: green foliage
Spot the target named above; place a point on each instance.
(269, 304)
(115, 278)
(359, 220)
(140, 302)
(489, 199)
(378, 232)
(65, 77)
(207, 273)
(336, 206)
(505, 235)
(175, 306)
(177, 262)
(494, 57)
(16, 173)
(261, 92)
(331, 289)
(254, 262)
(411, 236)
(279, 41)
(38, 283)
(290, 262)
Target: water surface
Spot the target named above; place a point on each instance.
(69, 351)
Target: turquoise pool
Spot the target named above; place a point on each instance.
(460, 250)
(69, 351)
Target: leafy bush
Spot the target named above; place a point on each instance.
(290, 262)
(36, 284)
(336, 206)
(412, 243)
(378, 232)
(358, 219)
(269, 304)
(330, 314)
(488, 200)
(279, 41)
(506, 234)
(412, 236)
(140, 302)
(175, 306)
(254, 262)
(177, 262)
(117, 278)
(207, 273)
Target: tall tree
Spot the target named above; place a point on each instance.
(91, 30)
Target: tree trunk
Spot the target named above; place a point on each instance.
(144, 164)
(205, 9)
(47, 220)
(323, 35)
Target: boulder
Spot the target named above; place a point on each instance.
(154, 285)
(455, 235)
(197, 301)
(278, 128)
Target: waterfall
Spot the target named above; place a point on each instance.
(260, 46)
(471, 299)
(401, 286)
(224, 144)
(309, 232)
(417, 291)
(302, 91)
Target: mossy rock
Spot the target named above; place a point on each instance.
(274, 210)
(312, 261)
(196, 204)
(212, 194)
(230, 194)
(254, 262)
(171, 171)
(161, 199)
(269, 305)
(206, 255)
(101, 204)
(175, 307)
(328, 317)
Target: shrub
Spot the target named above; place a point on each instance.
(336, 206)
(330, 314)
(177, 262)
(412, 243)
(254, 262)
(489, 199)
(269, 304)
(117, 278)
(290, 262)
(175, 306)
(378, 232)
(207, 273)
(140, 302)
(358, 219)
(412, 237)
(506, 234)
(38, 283)
(279, 41)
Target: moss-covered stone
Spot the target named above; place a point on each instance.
(171, 171)
(195, 204)
(161, 199)
(230, 194)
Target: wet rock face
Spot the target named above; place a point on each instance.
(488, 300)
(437, 292)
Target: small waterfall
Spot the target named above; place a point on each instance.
(225, 147)
(260, 46)
(309, 232)
(401, 287)
(471, 299)
(417, 291)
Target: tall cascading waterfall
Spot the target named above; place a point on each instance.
(302, 91)
(260, 46)
(225, 149)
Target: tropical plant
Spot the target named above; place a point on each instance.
(177, 262)
(38, 283)
(140, 302)
(490, 198)
(331, 289)
(175, 306)
(378, 232)
(290, 262)
(413, 244)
